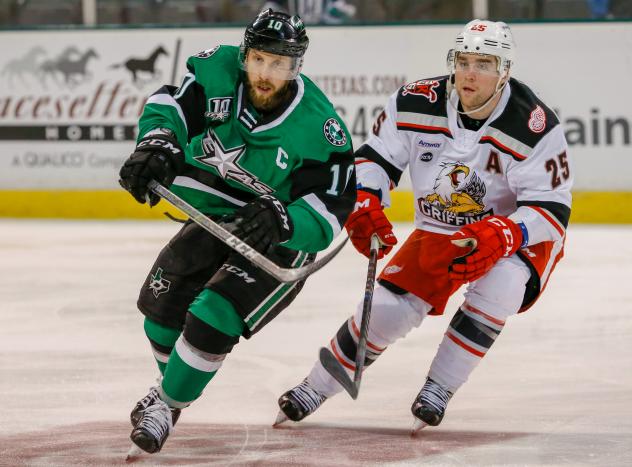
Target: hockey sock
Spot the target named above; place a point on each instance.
(187, 374)
(344, 346)
(162, 339)
(211, 330)
(470, 335)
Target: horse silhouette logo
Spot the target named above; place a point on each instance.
(143, 65)
(16, 69)
(71, 66)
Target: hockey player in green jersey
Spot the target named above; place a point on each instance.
(250, 142)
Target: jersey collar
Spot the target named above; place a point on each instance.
(253, 121)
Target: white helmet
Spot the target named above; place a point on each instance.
(485, 37)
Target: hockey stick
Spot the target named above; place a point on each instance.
(241, 247)
(329, 361)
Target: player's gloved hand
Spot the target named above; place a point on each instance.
(157, 157)
(481, 245)
(262, 223)
(367, 219)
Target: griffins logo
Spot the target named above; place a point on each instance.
(457, 197)
(422, 88)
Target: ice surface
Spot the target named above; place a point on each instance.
(556, 389)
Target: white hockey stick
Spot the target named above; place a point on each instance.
(241, 247)
(329, 361)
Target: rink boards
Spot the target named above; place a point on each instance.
(69, 103)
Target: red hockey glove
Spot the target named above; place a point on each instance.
(481, 245)
(367, 219)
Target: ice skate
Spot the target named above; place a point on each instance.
(153, 426)
(429, 406)
(298, 403)
(145, 402)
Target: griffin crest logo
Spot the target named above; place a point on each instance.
(457, 197)
(456, 190)
(422, 88)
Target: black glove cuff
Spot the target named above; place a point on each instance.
(286, 226)
(165, 143)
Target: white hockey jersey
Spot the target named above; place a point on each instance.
(515, 165)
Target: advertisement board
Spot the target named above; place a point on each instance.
(70, 100)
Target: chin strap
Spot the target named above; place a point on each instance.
(450, 87)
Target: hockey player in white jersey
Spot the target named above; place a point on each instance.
(491, 181)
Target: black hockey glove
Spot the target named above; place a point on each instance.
(262, 223)
(157, 156)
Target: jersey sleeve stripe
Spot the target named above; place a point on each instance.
(549, 218)
(560, 211)
(188, 182)
(367, 152)
(317, 205)
(168, 100)
(188, 79)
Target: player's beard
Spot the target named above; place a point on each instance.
(266, 103)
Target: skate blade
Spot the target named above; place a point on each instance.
(281, 418)
(417, 426)
(133, 453)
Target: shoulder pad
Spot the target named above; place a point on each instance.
(425, 96)
(525, 118)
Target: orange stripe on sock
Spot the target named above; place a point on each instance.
(497, 321)
(356, 331)
(339, 358)
(464, 345)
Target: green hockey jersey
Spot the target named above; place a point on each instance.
(301, 153)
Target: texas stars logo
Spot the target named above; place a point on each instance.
(225, 162)
(158, 284)
(334, 133)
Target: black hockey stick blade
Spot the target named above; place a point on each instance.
(329, 361)
(366, 312)
(335, 369)
(241, 247)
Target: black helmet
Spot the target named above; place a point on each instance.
(277, 33)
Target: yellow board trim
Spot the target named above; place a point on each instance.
(79, 205)
(588, 206)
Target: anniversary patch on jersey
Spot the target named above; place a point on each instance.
(219, 108)
(225, 161)
(537, 120)
(422, 87)
(457, 196)
(207, 53)
(334, 132)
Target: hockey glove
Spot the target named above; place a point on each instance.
(156, 157)
(368, 218)
(481, 245)
(262, 223)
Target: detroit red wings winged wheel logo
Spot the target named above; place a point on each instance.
(537, 120)
(424, 88)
